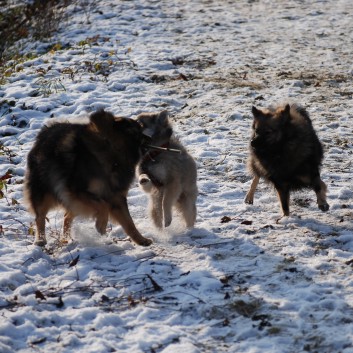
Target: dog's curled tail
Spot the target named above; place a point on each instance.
(145, 183)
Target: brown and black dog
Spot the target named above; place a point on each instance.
(285, 151)
(87, 170)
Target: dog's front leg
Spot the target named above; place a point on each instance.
(120, 213)
(170, 197)
(68, 219)
(156, 207)
(40, 239)
(102, 216)
(250, 195)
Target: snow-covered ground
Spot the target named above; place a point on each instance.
(239, 281)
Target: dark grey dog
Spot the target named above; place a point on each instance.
(285, 151)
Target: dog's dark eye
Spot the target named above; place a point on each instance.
(263, 132)
(259, 131)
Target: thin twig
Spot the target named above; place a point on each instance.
(165, 149)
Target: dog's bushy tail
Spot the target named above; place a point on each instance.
(145, 183)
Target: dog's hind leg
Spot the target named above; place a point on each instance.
(320, 189)
(283, 195)
(187, 207)
(120, 213)
(250, 195)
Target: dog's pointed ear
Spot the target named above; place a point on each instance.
(163, 117)
(102, 120)
(286, 114)
(257, 113)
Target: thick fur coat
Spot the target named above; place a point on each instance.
(285, 151)
(169, 178)
(87, 170)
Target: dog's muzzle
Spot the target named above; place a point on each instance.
(146, 140)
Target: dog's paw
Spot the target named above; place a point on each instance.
(285, 213)
(40, 242)
(145, 242)
(249, 200)
(158, 224)
(167, 222)
(101, 226)
(324, 207)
